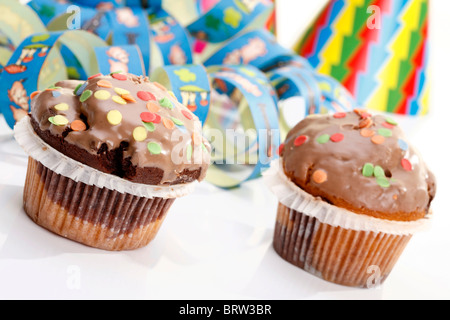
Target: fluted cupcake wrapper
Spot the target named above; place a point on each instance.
(333, 243)
(97, 217)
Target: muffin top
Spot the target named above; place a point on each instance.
(124, 125)
(359, 162)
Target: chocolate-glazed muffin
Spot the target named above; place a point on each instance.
(352, 192)
(135, 146)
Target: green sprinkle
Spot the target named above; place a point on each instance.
(383, 182)
(154, 148)
(378, 172)
(150, 126)
(323, 138)
(166, 103)
(85, 95)
(385, 132)
(54, 87)
(76, 89)
(204, 148)
(189, 152)
(118, 71)
(391, 121)
(178, 122)
(368, 170)
(58, 120)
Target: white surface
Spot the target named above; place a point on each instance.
(217, 244)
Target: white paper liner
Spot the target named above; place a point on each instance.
(54, 160)
(293, 197)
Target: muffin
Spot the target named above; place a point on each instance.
(352, 191)
(108, 157)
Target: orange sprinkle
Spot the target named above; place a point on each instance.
(104, 84)
(196, 138)
(395, 197)
(367, 133)
(34, 94)
(319, 176)
(365, 123)
(378, 139)
(78, 125)
(159, 85)
(168, 123)
(152, 107)
(128, 97)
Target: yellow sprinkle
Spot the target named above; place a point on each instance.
(102, 95)
(121, 91)
(139, 134)
(60, 120)
(172, 94)
(114, 117)
(119, 100)
(62, 106)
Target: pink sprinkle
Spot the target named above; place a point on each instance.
(187, 114)
(280, 149)
(157, 118)
(119, 76)
(300, 140)
(145, 95)
(148, 117)
(388, 125)
(406, 165)
(340, 115)
(95, 76)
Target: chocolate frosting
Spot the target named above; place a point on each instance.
(123, 116)
(359, 162)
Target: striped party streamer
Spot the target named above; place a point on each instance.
(378, 49)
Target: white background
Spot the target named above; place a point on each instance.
(216, 244)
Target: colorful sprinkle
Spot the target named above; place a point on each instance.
(168, 123)
(157, 118)
(140, 133)
(104, 84)
(406, 164)
(152, 107)
(85, 95)
(319, 176)
(78, 125)
(80, 88)
(128, 97)
(119, 76)
(119, 100)
(385, 132)
(323, 138)
(378, 172)
(56, 94)
(145, 96)
(187, 114)
(367, 133)
(368, 170)
(121, 91)
(166, 103)
(300, 140)
(117, 71)
(383, 182)
(391, 121)
(337, 137)
(149, 126)
(403, 144)
(62, 107)
(95, 76)
(388, 125)
(102, 95)
(147, 117)
(34, 94)
(154, 148)
(365, 123)
(58, 120)
(178, 122)
(365, 115)
(172, 94)
(340, 115)
(114, 117)
(378, 139)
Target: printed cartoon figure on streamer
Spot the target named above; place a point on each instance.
(161, 28)
(177, 55)
(18, 95)
(189, 96)
(119, 61)
(126, 17)
(255, 49)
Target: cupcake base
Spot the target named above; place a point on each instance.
(97, 217)
(342, 256)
